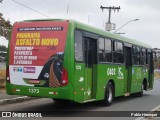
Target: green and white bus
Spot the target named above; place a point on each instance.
(69, 60)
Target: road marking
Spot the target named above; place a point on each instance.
(154, 109)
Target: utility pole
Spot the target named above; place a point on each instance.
(67, 9)
(109, 25)
(88, 18)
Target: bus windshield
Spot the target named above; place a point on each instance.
(36, 53)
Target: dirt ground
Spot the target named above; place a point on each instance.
(2, 74)
(2, 78)
(2, 90)
(157, 76)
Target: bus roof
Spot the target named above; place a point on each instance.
(111, 35)
(97, 31)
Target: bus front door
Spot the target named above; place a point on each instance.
(128, 63)
(90, 49)
(150, 69)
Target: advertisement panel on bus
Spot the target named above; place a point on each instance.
(36, 53)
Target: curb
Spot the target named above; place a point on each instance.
(16, 100)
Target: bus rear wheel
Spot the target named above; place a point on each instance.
(140, 94)
(109, 94)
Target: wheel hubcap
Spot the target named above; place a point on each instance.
(109, 94)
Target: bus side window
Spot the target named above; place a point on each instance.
(101, 50)
(146, 57)
(108, 50)
(136, 55)
(143, 56)
(78, 46)
(118, 54)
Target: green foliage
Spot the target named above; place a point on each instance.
(5, 26)
(3, 48)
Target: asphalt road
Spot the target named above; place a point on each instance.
(150, 100)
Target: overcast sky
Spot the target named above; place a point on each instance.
(88, 11)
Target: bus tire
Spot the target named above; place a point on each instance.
(109, 94)
(140, 94)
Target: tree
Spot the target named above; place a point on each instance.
(156, 58)
(3, 48)
(5, 26)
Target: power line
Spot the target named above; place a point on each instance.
(31, 9)
(63, 5)
(69, 10)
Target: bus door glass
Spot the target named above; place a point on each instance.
(128, 63)
(150, 69)
(90, 48)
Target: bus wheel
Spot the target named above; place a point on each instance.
(109, 94)
(140, 94)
